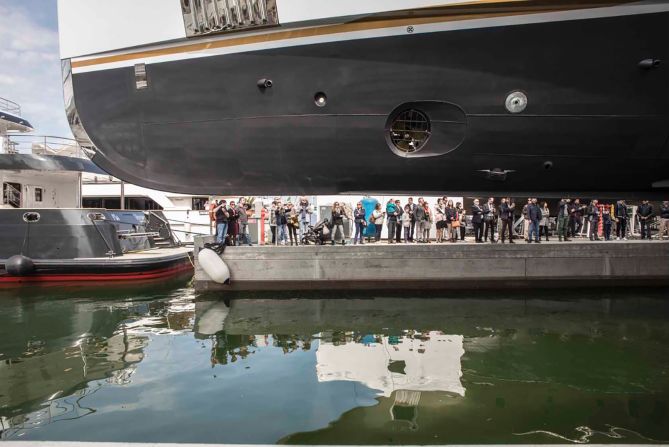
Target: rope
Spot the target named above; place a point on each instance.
(26, 241)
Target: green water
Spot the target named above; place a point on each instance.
(168, 366)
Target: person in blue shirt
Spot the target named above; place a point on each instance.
(391, 212)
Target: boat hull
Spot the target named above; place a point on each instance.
(595, 121)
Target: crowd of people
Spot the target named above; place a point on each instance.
(413, 222)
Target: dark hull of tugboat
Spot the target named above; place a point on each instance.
(104, 270)
(86, 245)
(596, 120)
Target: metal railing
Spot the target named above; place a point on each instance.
(42, 145)
(11, 196)
(10, 106)
(210, 16)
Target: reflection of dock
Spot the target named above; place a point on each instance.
(435, 266)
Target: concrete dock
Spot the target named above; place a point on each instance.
(441, 266)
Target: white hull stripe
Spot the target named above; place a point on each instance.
(83, 65)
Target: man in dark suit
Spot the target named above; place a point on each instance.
(477, 221)
(646, 215)
(506, 212)
(489, 219)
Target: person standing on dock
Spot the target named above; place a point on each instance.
(360, 223)
(506, 211)
(243, 211)
(451, 218)
(427, 222)
(593, 219)
(406, 223)
(489, 220)
(400, 213)
(338, 215)
(233, 228)
(392, 213)
(463, 220)
(526, 220)
(440, 219)
(293, 224)
(577, 224)
(607, 222)
(419, 215)
(664, 219)
(621, 220)
(477, 221)
(305, 216)
(412, 214)
(377, 220)
(545, 219)
(646, 215)
(534, 212)
(281, 224)
(221, 215)
(563, 220)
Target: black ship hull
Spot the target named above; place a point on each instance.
(596, 121)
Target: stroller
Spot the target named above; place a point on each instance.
(317, 234)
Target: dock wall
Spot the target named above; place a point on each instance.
(442, 266)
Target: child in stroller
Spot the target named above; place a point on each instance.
(317, 234)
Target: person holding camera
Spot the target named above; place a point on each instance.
(506, 211)
(489, 220)
(338, 215)
(360, 223)
(221, 215)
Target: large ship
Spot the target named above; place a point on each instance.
(318, 97)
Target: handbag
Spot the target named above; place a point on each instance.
(456, 224)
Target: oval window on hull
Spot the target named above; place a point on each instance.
(410, 130)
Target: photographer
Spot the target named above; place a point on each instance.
(338, 215)
(221, 215)
(506, 211)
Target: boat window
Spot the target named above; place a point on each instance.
(200, 203)
(38, 194)
(11, 194)
(203, 17)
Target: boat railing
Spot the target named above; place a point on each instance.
(11, 195)
(42, 145)
(10, 107)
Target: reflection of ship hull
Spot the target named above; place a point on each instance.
(589, 106)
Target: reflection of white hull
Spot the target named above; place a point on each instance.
(432, 364)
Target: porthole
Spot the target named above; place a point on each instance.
(410, 130)
(31, 217)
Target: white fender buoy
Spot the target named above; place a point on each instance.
(214, 266)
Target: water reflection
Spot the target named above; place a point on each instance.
(175, 367)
